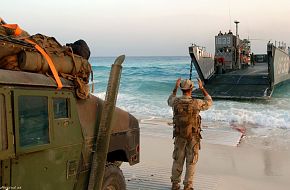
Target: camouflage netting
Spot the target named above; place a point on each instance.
(71, 61)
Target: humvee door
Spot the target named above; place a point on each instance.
(48, 139)
(6, 127)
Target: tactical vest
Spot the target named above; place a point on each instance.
(186, 119)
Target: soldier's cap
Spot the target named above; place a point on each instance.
(186, 84)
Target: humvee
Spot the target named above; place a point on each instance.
(47, 136)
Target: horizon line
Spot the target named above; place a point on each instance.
(140, 55)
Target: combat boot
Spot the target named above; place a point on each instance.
(175, 186)
(187, 187)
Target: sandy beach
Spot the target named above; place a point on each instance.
(224, 163)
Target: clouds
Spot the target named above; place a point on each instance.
(150, 27)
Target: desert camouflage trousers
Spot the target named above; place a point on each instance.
(184, 150)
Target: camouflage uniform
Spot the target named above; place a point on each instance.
(185, 148)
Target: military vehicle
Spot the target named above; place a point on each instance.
(48, 133)
(236, 73)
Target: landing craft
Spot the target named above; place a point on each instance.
(234, 72)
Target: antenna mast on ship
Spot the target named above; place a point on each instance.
(237, 46)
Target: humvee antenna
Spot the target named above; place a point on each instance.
(105, 127)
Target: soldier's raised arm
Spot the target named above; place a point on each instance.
(172, 97)
(207, 102)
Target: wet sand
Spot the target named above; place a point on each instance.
(221, 166)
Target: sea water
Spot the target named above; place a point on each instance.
(147, 82)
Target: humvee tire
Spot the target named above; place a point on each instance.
(113, 178)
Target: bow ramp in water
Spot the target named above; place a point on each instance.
(232, 74)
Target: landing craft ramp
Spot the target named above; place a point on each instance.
(249, 83)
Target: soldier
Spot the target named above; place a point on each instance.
(252, 59)
(187, 128)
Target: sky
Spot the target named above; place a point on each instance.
(151, 27)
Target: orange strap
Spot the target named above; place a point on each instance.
(15, 27)
(50, 63)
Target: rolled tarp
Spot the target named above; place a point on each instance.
(35, 62)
